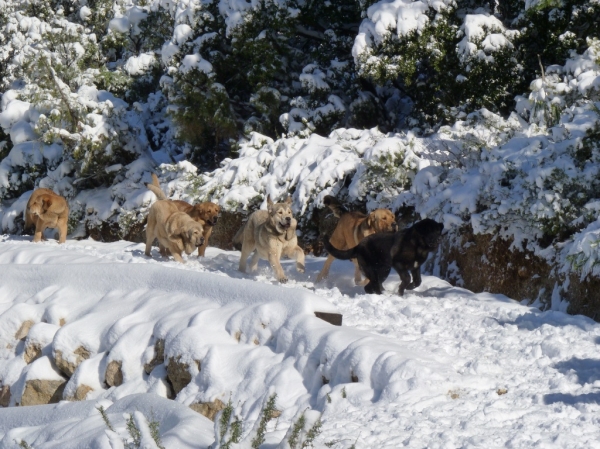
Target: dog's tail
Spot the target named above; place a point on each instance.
(238, 238)
(334, 204)
(338, 253)
(155, 188)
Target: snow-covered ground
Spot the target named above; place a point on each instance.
(441, 367)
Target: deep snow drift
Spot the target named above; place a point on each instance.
(440, 367)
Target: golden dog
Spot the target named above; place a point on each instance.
(271, 234)
(175, 231)
(352, 228)
(207, 213)
(46, 209)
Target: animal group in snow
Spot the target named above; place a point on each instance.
(371, 241)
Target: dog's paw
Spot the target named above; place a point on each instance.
(300, 268)
(283, 280)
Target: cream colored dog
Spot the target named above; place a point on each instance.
(205, 213)
(271, 234)
(175, 231)
(46, 209)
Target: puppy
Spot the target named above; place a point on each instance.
(271, 234)
(46, 209)
(206, 213)
(176, 231)
(405, 251)
(352, 228)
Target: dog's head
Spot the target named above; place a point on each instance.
(191, 234)
(40, 205)
(429, 233)
(381, 220)
(280, 215)
(207, 212)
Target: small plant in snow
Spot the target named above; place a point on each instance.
(142, 433)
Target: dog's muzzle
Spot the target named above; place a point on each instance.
(201, 242)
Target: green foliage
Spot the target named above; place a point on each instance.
(205, 118)
(24, 445)
(104, 415)
(552, 29)
(266, 415)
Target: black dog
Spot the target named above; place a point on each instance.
(405, 251)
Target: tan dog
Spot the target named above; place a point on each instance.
(352, 228)
(207, 213)
(271, 234)
(176, 231)
(46, 209)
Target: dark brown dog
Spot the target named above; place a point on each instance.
(206, 213)
(352, 228)
(405, 251)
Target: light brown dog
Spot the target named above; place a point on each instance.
(352, 228)
(206, 213)
(175, 231)
(46, 209)
(271, 234)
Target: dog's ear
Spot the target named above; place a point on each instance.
(288, 200)
(178, 233)
(269, 203)
(371, 220)
(46, 203)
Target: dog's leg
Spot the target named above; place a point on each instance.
(247, 248)
(62, 231)
(416, 277)
(274, 256)
(202, 249)
(254, 261)
(299, 259)
(177, 257)
(39, 230)
(357, 274)
(149, 236)
(325, 270)
(405, 283)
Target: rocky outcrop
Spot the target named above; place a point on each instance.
(114, 374)
(33, 351)
(41, 391)
(68, 367)
(208, 409)
(80, 394)
(4, 396)
(158, 358)
(178, 374)
(21, 334)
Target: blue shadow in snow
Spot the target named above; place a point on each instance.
(533, 320)
(587, 370)
(571, 399)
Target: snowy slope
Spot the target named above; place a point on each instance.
(439, 368)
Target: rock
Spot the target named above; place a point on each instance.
(5, 396)
(114, 375)
(80, 394)
(40, 392)
(178, 374)
(68, 367)
(24, 330)
(208, 409)
(158, 358)
(331, 318)
(33, 351)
